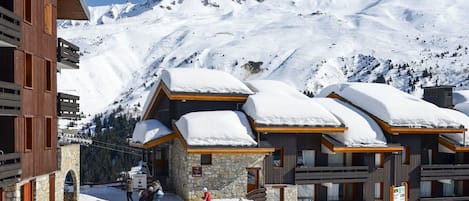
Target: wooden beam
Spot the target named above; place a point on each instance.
(294, 129)
(180, 137)
(159, 141)
(452, 146)
(400, 130)
(344, 149)
(72, 9)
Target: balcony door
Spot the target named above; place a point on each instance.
(309, 158)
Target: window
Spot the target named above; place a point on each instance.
(48, 75)
(28, 67)
(306, 192)
(406, 155)
(334, 192)
(48, 132)
(336, 159)
(279, 193)
(379, 187)
(425, 189)
(27, 11)
(430, 156)
(448, 188)
(278, 157)
(29, 133)
(206, 159)
(48, 22)
(379, 160)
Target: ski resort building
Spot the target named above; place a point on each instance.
(30, 57)
(264, 140)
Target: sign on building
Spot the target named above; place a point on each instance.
(399, 193)
(139, 181)
(196, 171)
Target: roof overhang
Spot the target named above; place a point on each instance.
(294, 129)
(335, 146)
(72, 10)
(452, 145)
(154, 143)
(219, 149)
(395, 130)
(162, 89)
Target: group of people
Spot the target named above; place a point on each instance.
(154, 192)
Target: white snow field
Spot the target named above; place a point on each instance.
(307, 44)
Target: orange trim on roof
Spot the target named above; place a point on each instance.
(452, 146)
(159, 141)
(344, 149)
(295, 129)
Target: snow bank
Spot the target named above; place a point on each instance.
(462, 139)
(197, 80)
(393, 106)
(212, 128)
(463, 107)
(460, 96)
(362, 130)
(148, 130)
(276, 103)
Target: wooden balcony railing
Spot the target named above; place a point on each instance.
(10, 168)
(10, 99)
(10, 29)
(465, 198)
(67, 54)
(444, 171)
(345, 174)
(67, 106)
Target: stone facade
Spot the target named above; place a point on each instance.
(226, 177)
(290, 192)
(69, 161)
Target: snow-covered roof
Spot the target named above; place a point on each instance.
(276, 103)
(362, 130)
(216, 128)
(197, 80)
(463, 138)
(148, 130)
(395, 107)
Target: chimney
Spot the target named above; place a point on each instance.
(442, 96)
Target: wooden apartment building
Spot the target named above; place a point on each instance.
(30, 57)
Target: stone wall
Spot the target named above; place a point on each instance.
(290, 192)
(226, 177)
(69, 161)
(41, 189)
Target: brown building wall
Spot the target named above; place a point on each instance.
(36, 101)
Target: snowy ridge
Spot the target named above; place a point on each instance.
(307, 44)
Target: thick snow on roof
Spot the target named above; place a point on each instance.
(361, 131)
(197, 80)
(148, 130)
(212, 128)
(462, 139)
(276, 103)
(393, 106)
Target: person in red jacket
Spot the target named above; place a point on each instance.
(206, 195)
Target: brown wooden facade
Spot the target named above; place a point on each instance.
(28, 88)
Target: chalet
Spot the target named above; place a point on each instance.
(197, 137)
(30, 56)
(426, 173)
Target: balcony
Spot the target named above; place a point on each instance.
(444, 171)
(10, 168)
(10, 99)
(10, 29)
(316, 175)
(67, 106)
(67, 55)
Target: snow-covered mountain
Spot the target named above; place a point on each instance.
(308, 44)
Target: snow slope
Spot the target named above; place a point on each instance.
(307, 44)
